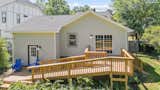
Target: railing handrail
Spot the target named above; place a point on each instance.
(61, 59)
(79, 61)
(128, 54)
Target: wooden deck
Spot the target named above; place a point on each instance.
(92, 63)
(89, 67)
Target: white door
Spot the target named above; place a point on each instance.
(32, 54)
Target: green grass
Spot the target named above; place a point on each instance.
(150, 78)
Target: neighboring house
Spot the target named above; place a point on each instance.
(50, 37)
(13, 12)
(108, 13)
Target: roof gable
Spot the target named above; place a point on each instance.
(99, 17)
(6, 2)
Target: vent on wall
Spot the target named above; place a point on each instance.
(25, 16)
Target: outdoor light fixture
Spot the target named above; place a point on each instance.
(39, 47)
(91, 36)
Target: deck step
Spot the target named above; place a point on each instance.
(119, 79)
(4, 86)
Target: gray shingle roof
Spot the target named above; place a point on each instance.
(51, 23)
(43, 24)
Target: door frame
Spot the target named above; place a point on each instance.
(29, 52)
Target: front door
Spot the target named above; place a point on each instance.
(32, 54)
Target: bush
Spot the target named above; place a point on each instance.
(4, 55)
(147, 48)
(152, 36)
(40, 85)
(80, 83)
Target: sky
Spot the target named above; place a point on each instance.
(100, 5)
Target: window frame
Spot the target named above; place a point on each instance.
(68, 39)
(4, 16)
(104, 43)
(18, 18)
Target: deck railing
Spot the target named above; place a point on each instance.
(90, 67)
(138, 64)
(72, 58)
(87, 55)
(94, 54)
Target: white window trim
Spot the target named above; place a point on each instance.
(68, 45)
(4, 16)
(18, 18)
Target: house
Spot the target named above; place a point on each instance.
(13, 12)
(51, 37)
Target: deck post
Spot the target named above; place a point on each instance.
(126, 82)
(69, 70)
(126, 72)
(69, 66)
(111, 76)
(111, 82)
(32, 75)
(42, 71)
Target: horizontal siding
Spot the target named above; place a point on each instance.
(47, 43)
(91, 25)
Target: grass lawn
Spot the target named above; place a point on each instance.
(150, 78)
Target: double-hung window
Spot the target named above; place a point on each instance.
(4, 17)
(18, 19)
(72, 39)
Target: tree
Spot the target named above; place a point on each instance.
(152, 36)
(41, 3)
(137, 14)
(4, 55)
(56, 7)
(81, 8)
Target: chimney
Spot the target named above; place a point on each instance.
(94, 10)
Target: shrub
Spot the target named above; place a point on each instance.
(40, 85)
(4, 55)
(80, 83)
(152, 36)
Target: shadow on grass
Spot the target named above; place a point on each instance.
(151, 76)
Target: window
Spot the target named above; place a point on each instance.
(18, 18)
(25, 16)
(33, 51)
(72, 40)
(4, 17)
(104, 43)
